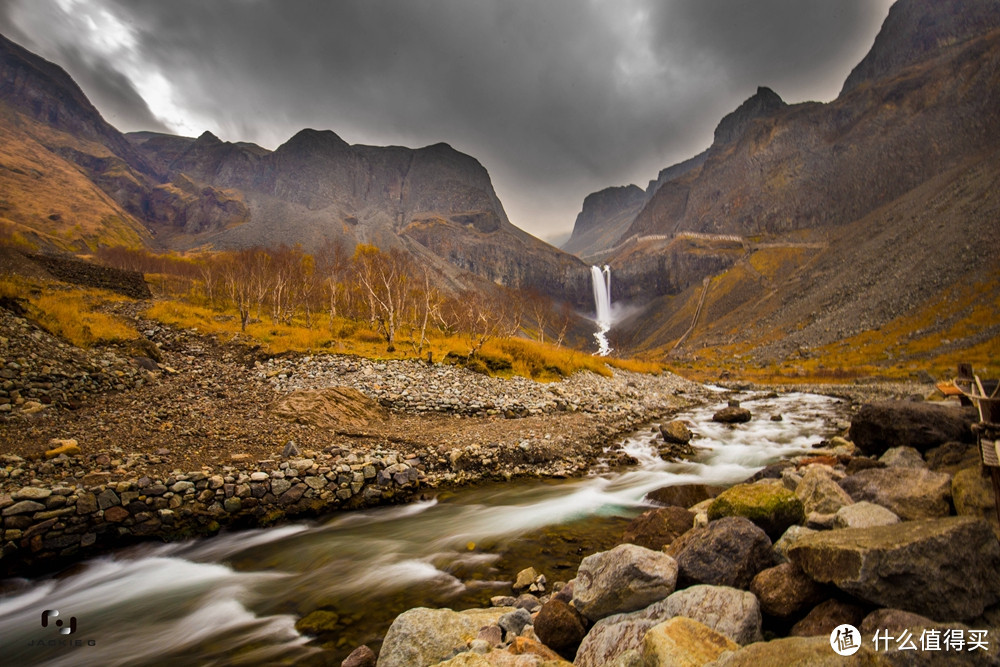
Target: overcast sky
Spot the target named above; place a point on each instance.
(557, 98)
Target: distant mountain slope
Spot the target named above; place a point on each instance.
(76, 182)
(816, 225)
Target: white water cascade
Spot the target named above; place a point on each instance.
(602, 302)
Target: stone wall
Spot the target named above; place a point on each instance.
(46, 524)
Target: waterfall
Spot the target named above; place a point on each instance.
(602, 303)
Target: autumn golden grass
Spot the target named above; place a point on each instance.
(69, 313)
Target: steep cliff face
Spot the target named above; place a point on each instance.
(604, 217)
(179, 192)
(851, 215)
(784, 168)
(918, 29)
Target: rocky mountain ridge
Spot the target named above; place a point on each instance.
(785, 190)
(168, 192)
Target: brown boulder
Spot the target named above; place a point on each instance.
(560, 627)
(658, 527)
(727, 552)
(784, 590)
(826, 616)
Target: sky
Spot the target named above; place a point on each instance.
(556, 98)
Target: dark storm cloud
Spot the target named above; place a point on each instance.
(556, 98)
(108, 89)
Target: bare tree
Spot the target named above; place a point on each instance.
(384, 278)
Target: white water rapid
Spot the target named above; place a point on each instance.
(234, 599)
(601, 282)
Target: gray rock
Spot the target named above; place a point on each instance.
(729, 611)
(790, 537)
(421, 637)
(108, 498)
(182, 486)
(31, 493)
(623, 579)
(902, 457)
(819, 493)
(23, 507)
(911, 493)
(616, 635)
(514, 622)
(727, 552)
(864, 515)
(948, 569)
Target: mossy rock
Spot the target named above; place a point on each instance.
(772, 507)
(318, 622)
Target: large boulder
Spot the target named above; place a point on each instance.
(683, 642)
(911, 493)
(948, 569)
(683, 495)
(819, 493)
(863, 514)
(790, 537)
(421, 636)
(615, 637)
(973, 495)
(624, 579)
(729, 611)
(560, 627)
(727, 552)
(812, 651)
(771, 506)
(879, 426)
(784, 590)
(658, 527)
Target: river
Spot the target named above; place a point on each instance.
(234, 599)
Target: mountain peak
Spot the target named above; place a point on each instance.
(763, 103)
(916, 30)
(207, 137)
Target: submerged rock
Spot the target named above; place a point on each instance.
(732, 415)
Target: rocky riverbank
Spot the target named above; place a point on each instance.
(897, 540)
(177, 435)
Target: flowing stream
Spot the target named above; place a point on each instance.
(234, 599)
